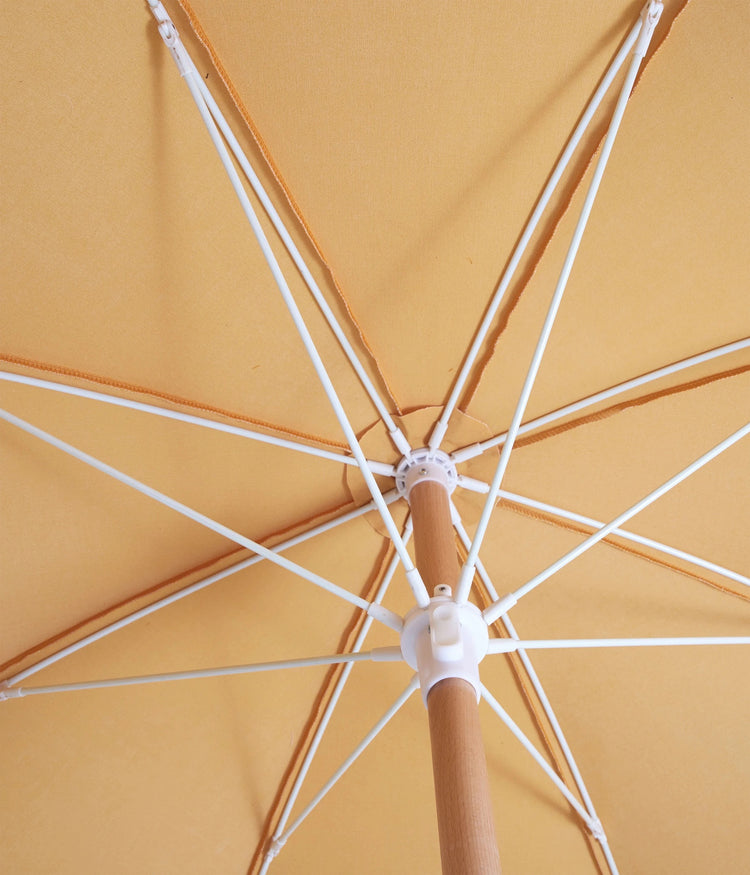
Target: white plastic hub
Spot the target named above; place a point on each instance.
(445, 640)
(423, 465)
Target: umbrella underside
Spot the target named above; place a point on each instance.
(404, 150)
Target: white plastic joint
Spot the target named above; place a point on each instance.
(386, 616)
(425, 465)
(274, 848)
(597, 830)
(170, 35)
(400, 441)
(445, 640)
(8, 692)
(650, 18)
(498, 608)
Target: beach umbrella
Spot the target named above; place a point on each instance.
(288, 288)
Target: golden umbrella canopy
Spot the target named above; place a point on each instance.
(405, 149)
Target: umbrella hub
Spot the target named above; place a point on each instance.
(445, 640)
(425, 465)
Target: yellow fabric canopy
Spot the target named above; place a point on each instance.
(405, 147)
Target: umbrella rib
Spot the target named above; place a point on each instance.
(649, 18)
(152, 608)
(397, 436)
(336, 694)
(186, 511)
(279, 842)
(182, 59)
(508, 645)
(378, 654)
(598, 833)
(538, 758)
(381, 468)
(504, 604)
(463, 454)
(626, 535)
(441, 426)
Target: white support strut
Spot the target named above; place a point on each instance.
(649, 19)
(505, 603)
(380, 468)
(538, 758)
(599, 833)
(464, 454)
(380, 654)
(330, 708)
(511, 645)
(187, 70)
(626, 535)
(194, 515)
(441, 426)
(395, 433)
(277, 844)
(199, 585)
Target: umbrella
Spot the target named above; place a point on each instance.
(405, 150)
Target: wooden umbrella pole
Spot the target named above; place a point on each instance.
(462, 792)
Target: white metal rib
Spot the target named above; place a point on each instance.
(193, 588)
(383, 654)
(538, 758)
(397, 436)
(278, 843)
(185, 65)
(442, 424)
(500, 607)
(381, 468)
(472, 451)
(186, 511)
(336, 695)
(508, 645)
(468, 570)
(600, 834)
(658, 546)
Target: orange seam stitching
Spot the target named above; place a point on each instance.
(265, 152)
(166, 396)
(622, 406)
(324, 698)
(610, 541)
(158, 588)
(544, 244)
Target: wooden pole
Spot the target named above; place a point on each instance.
(462, 791)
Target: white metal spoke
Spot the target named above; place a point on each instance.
(470, 452)
(193, 588)
(650, 17)
(182, 59)
(509, 645)
(472, 485)
(381, 468)
(397, 436)
(626, 535)
(505, 603)
(599, 834)
(188, 512)
(380, 654)
(458, 387)
(538, 758)
(279, 842)
(335, 696)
